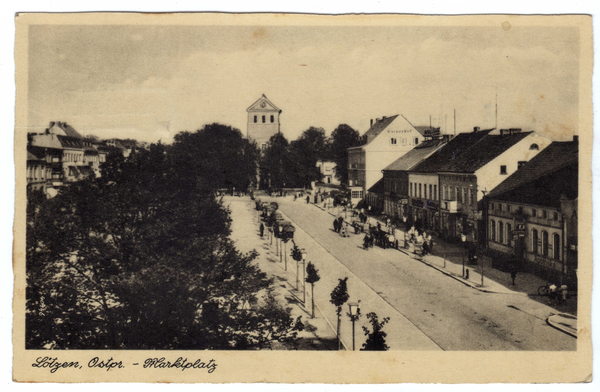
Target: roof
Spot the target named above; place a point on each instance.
(378, 127)
(416, 155)
(551, 164)
(484, 151)
(267, 102)
(377, 187)
(70, 142)
(64, 129)
(31, 156)
(442, 158)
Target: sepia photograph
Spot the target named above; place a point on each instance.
(199, 191)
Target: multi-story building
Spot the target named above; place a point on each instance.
(464, 170)
(387, 139)
(263, 121)
(396, 179)
(532, 215)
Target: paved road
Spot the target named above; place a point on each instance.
(452, 315)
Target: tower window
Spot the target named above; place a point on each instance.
(255, 119)
(272, 118)
(263, 119)
(393, 140)
(503, 169)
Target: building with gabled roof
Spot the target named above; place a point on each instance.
(395, 177)
(532, 215)
(386, 140)
(464, 170)
(263, 121)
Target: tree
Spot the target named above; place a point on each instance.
(376, 338)
(141, 259)
(339, 296)
(342, 138)
(276, 163)
(217, 154)
(312, 277)
(309, 148)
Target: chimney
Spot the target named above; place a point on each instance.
(576, 138)
(476, 129)
(51, 124)
(371, 122)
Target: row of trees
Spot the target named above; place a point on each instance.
(293, 164)
(141, 257)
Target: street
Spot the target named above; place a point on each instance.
(428, 310)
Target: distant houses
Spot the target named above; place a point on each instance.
(61, 155)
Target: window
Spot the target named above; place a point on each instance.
(272, 118)
(493, 230)
(534, 147)
(445, 196)
(419, 191)
(500, 232)
(493, 206)
(545, 243)
(473, 197)
(556, 246)
(435, 197)
(534, 241)
(508, 233)
(556, 216)
(544, 214)
(458, 198)
(393, 140)
(263, 146)
(430, 191)
(503, 169)
(357, 194)
(464, 195)
(263, 119)
(533, 212)
(255, 119)
(508, 208)
(410, 193)
(416, 141)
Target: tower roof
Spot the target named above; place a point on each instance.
(263, 104)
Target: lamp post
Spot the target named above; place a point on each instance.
(354, 314)
(304, 279)
(298, 269)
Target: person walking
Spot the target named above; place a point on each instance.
(307, 199)
(513, 275)
(261, 229)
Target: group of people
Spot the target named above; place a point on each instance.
(420, 239)
(339, 226)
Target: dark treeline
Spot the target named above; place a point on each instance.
(140, 258)
(293, 164)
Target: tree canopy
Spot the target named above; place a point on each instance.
(141, 257)
(342, 138)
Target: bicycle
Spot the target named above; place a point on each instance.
(544, 289)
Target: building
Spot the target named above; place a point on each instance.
(263, 121)
(327, 170)
(387, 139)
(396, 182)
(532, 215)
(463, 171)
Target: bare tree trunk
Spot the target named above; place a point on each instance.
(312, 298)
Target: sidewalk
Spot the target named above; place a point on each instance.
(564, 322)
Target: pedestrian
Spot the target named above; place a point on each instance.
(307, 199)
(513, 275)
(366, 242)
(261, 229)
(295, 197)
(344, 230)
(425, 244)
(430, 243)
(335, 225)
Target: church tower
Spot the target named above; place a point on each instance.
(263, 121)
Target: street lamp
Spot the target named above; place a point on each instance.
(354, 314)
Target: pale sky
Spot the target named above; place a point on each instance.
(151, 82)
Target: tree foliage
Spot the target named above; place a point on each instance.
(376, 337)
(141, 258)
(309, 148)
(277, 163)
(342, 138)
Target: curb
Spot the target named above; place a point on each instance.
(569, 330)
